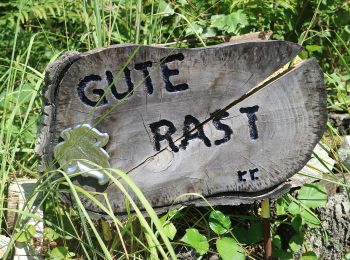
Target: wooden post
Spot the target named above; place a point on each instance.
(265, 214)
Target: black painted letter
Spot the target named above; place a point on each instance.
(240, 175)
(251, 172)
(169, 72)
(129, 83)
(198, 133)
(148, 82)
(250, 111)
(220, 126)
(99, 92)
(158, 136)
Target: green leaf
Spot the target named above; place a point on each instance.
(193, 29)
(255, 233)
(26, 234)
(296, 242)
(165, 9)
(196, 240)
(219, 222)
(309, 218)
(208, 32)
(229, 249)
(235, 20)
(282, 205)
(31, 230)
(297, 223)
(309, 256)
(23, 238)
(281, 254)
(169, 230)
(313, 48)
(347, 256)
(218, 21)
(169, 215)
(249, 236)
(168, 227)
(312, 195)
(51, 234)
(240, 234)
(61, 252)
(277, 242)
(230, 23)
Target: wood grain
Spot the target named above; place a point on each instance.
(235, 141)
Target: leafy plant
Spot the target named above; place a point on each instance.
(26, 235)
(228, 248)
(297, 212)
(227, 245)
(196, 240)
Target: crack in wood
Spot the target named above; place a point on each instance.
(264, 83)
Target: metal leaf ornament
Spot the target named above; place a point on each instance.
(82, 150)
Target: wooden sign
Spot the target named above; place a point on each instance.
(189, 120)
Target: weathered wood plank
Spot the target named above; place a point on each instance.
(221, 139)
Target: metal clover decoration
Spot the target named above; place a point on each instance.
(81, 150)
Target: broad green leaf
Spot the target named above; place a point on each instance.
(281, 206)
(249, 236)
(31, 230)
(235, 20)
(219, 222)
(309, 218)
(277, 242)
(168, 227)
(174, 213)
(312, 195)
(208, 32)
(296, 242)
(165, 9)
(23, 237)
(196, 240)
(193, 29)
(218, 21)
(240, 234)
(309, 256)
(60, 252)
(297, 223)
(295, 208)
(169, 230)
(229, 249)
(27, 234)
(255, 233)
(313, 48)
(51, 234)
(230, 23)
